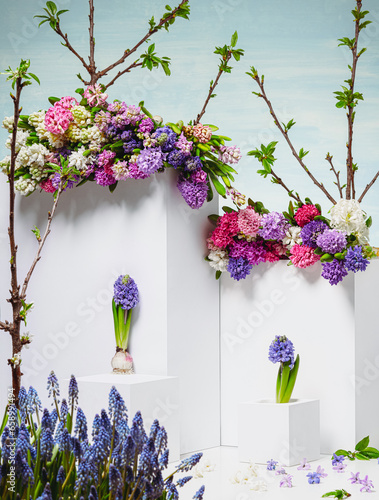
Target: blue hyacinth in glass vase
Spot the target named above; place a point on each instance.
(281, 351)
(125, 299)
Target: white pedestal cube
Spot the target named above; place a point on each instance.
(144, 229)
(334, 329)
(286, 432)
(156, 397)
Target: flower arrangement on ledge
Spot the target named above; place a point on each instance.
(248, 236)
(111, 142)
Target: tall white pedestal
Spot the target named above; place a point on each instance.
(334, 330)
(156, 397)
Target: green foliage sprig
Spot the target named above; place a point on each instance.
(362, 451)
(340, 494)
(226, 52)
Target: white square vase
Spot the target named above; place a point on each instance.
(285, 432)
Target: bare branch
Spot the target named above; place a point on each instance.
(211, 90)
(285, 135)
(4, 325)
(368, 187)
(291, 194)
(92, 66)
(67, 44)
(350, 189)
(128, 52)
(42, 242)
(337, 174)
(120, 73)
(12, 243)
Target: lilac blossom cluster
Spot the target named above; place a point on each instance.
(116, 458)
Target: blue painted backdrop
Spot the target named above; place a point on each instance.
(293, 42)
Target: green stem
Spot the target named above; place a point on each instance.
(278, 382)
(126, 328)
(284, 381)
(69, 473)
(291, 381)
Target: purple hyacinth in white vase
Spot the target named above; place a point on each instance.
(125, 299)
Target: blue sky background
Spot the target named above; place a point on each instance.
(293, 42)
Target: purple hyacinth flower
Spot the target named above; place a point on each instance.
(311, 232)
(313, 478)
(354, 260)
(334, 271)
(239, 268)
(281, 350)
(194, 193)
(271, 464)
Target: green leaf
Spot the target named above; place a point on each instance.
(218, 275)
(53, 100)
(34, 77)
(217, 184)
(369, 222)
(327, 257)
(361, 456)
(370, 454)
(213, 217)
(228, 210)
(37, 233)
(52, 7)
(291, 381)
(362, 444)
(112, 187)
(234, 39)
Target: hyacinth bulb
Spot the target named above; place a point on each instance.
(122, 362)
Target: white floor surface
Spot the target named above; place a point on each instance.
(225, 464)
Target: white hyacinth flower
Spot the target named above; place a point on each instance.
(5, 164)
(33, 155)
(218, 259)
(292, 237)
(347, 216)
(21, 137)
(257, 485)
(8, 123)
(202, 467)
(25, 186)
(76, 159)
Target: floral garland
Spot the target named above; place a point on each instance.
(106, 143)
(249, 236)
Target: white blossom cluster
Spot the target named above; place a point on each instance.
(218, 259)
(347, 215)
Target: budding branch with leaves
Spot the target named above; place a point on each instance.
(21, 78)
(147, 60)
(347, 98)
